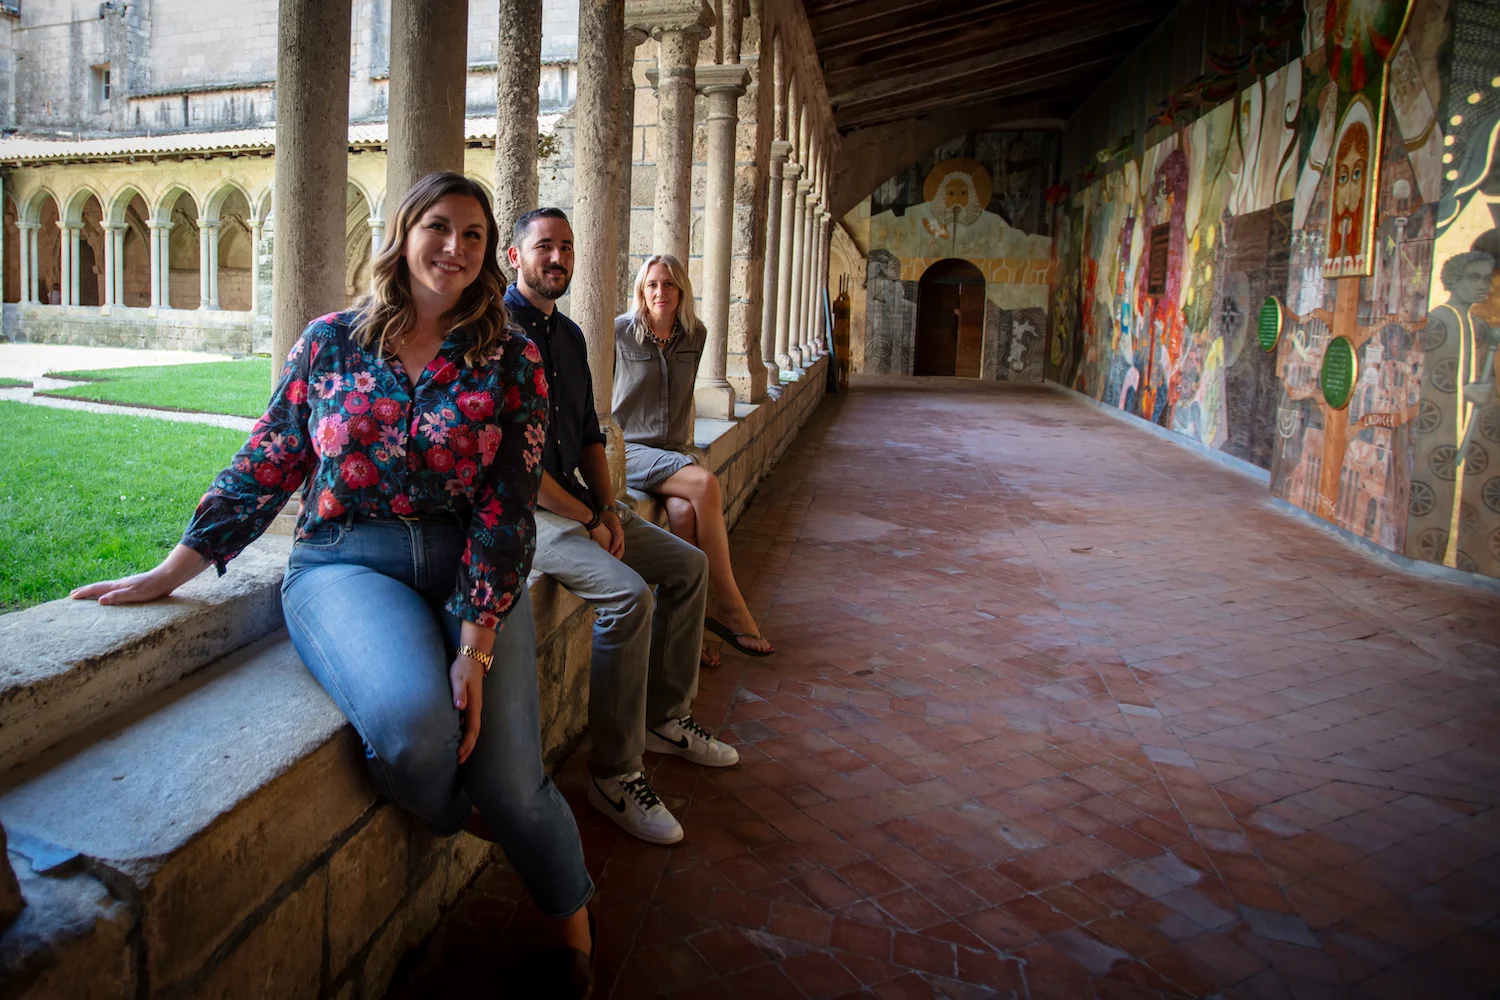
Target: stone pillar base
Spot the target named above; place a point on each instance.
(716, 401)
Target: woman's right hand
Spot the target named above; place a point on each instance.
(178, 568)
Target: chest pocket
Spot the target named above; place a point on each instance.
(636, 354)
(687, 359)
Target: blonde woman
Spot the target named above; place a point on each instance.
(413, 426)
(657, 348)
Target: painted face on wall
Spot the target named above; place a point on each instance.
(1350, 165)
(955, 194)
(1473, 286)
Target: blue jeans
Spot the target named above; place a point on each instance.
(364, 607)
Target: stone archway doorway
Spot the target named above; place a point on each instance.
(950, 320)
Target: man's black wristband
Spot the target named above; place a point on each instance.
(592, 523)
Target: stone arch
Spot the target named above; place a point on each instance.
(73, 213)
(236, 250)
(357, 249)
(262, 205)
(120, 202)
(89, 219)
(11, 284)
(183, 264)
(213, 205)
(31, 210)
(131, 210)
(46, 267)
(161, 212)
(484, 185)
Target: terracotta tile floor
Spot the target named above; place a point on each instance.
(1061, 710)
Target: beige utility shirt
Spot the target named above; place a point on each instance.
(653, 401)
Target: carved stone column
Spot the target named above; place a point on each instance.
(377, 234)
(799, 275)
(722, 85)
(678, 27)
(596, 210)
(429, 75)
(517, 103)
(625, 273)
(65, 264)
(770, 297)
(27, 261)
(112, 290)
(257, 227)
(75, 267)
(786, 277)
(208, 264)
(159, 264)
(312, 167)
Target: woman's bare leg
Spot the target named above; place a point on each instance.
(682, 520)
(700, 488)
(684, 524)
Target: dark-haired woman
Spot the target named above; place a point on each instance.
(414, 426)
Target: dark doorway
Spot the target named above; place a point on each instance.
(950, 320)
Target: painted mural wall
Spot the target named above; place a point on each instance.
(1303, 278)
(977, 199)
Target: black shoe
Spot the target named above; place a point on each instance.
(564, 973)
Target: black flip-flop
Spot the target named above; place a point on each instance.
(732, 637)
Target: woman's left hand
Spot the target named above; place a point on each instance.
(467, 678)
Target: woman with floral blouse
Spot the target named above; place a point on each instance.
(413, 425)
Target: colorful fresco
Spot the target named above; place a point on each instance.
(1454, 513)
(977, 199)
(1363, 194)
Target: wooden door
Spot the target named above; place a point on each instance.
(937, 329)
(970, 330)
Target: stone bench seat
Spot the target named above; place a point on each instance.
(188, 812)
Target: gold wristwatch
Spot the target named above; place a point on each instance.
(485, 660)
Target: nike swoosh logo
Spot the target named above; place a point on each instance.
(618, 807)
(680, 743)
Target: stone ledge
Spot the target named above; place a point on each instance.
(67, 664)
(200, 826)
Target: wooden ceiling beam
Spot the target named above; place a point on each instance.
(938, 19)
(1034, 21)
(923, 78)
(1040, 87)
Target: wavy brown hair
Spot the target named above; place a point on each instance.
(387, 313)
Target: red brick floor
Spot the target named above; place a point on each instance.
(1060, 710)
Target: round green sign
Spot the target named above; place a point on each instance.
(1340, 371)
(1270, 323)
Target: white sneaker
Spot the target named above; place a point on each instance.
(686, 738)
(630, 802)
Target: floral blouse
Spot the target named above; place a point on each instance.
(467, 441)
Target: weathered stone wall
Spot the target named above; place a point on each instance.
(212, 331)
(185, 64)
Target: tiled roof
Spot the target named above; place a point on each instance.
(24, 149)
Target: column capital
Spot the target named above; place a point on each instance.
(780, 149)
(634, 38)
(803, 186)
(114, 227)
(208, 223)
(719, 79)
(29, 225)
(656, 17)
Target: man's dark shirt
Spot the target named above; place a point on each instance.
(571, 422)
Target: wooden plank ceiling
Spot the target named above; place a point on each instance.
(886, 60)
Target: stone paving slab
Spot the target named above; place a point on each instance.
(1059, 710)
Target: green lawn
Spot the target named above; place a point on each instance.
(241, 388)
(14, 383)
(89, 496)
